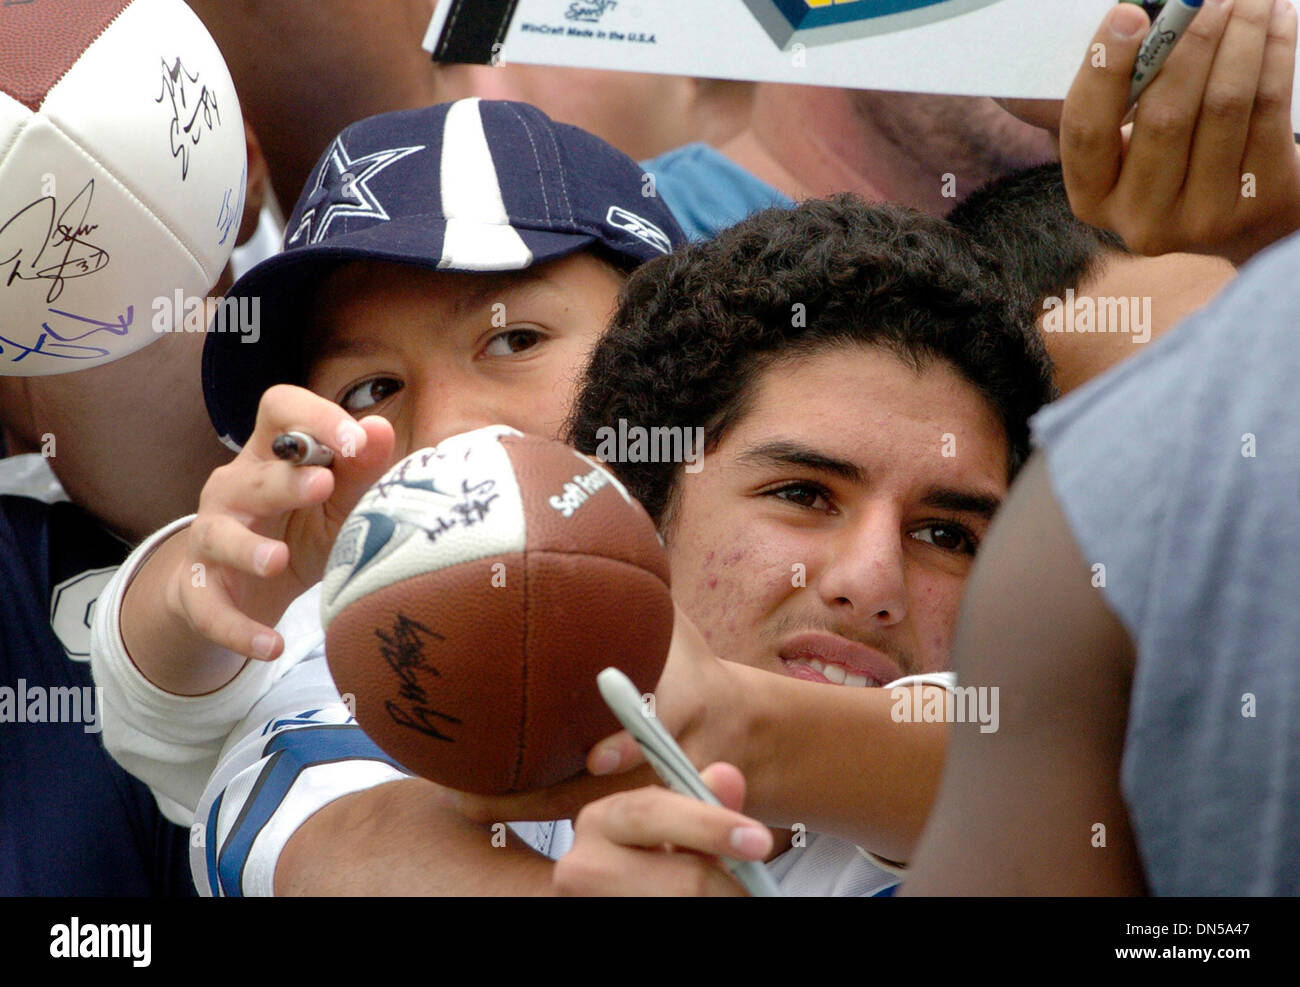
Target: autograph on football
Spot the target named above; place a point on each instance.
(40, 243)
(188, 100)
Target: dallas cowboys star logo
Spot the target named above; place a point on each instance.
(342, 190)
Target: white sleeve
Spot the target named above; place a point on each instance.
(944, 680)
(298, 750)
(171, 742)
(243, 766)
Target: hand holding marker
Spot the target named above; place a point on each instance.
(300, 449)
(1170, 25)
(674, 767)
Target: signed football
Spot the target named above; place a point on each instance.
(472, 597)
(122, 175)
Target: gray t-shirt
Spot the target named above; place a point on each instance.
(1180, 473)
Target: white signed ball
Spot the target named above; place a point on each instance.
(122, 177)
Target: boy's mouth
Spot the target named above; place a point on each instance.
(824, 657)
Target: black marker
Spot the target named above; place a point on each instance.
(300, 449)
(1166, 30)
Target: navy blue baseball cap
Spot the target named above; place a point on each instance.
(473, 186)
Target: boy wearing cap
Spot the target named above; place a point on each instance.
(545, 216)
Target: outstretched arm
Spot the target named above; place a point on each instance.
(396, 839)
(832, 758)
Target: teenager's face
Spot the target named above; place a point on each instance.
(828, 536)
(438, 354)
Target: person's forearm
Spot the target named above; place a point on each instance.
(166, 651)
(834, 759)
(397, 840)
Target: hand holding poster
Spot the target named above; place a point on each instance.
(1012, 48)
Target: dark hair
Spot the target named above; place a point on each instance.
(1025, 219)
(693, 330)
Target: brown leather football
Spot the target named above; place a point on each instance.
(472, 597)
(40, 42)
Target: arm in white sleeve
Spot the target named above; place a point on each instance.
(298, 750)
(171, 742)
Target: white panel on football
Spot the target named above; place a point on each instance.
(13, 117)
(453, 504)
(85, 262)
(153, 98)
(614, 481)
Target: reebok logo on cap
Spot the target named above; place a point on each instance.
(640, 228)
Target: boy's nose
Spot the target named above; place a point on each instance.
(863, 578)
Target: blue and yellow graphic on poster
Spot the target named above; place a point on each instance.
(828, 21)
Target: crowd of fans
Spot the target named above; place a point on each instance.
(1027, 440)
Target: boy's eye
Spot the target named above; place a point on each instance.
(369, 393)
(512, 341)
(949, 537)
(808, 495)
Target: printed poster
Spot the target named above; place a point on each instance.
(1026, 48)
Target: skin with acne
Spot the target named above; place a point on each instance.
(856, 488)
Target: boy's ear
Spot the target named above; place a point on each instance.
(258, 177)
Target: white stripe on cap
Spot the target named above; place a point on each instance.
(479, 235)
